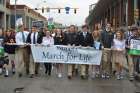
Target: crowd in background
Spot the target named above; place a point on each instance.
(115, 47)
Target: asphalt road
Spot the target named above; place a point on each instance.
(52, 84)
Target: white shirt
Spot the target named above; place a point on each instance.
(48, 41)
(84, 34)
(118, 44)
(32, 37)
(19, 39)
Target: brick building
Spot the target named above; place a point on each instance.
(120, 13)
(4, 14)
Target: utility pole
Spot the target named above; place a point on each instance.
(15, 12)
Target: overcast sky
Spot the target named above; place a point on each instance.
(71, 18)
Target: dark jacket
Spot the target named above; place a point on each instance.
(107, 38)
(58, 40)
(39, 39)
(70, 38)
(10, 49)
(85, 41)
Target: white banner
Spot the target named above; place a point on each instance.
(135, 44)
(66, 54)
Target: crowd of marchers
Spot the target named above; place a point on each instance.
(16, 56)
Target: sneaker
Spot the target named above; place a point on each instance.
(83, 77)
(32, 76)
(118, 77)
(59, 75)
(1, 71)
(107, 76)
(69, 77)
(13, 70)
(93, 75)
(19, 75)
(6, 73)
(98, 73)
(103, 76)
(131, 78)
(121, 77)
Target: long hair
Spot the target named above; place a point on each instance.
(61, 33)
(121, 33)
(95, 34)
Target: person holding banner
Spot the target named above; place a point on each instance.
(48, 41)
(95, 69)
(59, 40)
(70, 39)
(21, 38)
(119, 57)
(32, 39)
(85, 39)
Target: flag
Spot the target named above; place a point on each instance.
(19, 22)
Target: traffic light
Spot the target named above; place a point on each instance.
(59, 10)
(36, 9)
(75, 11)
(42, 9)
(67, 10)
(48, 9)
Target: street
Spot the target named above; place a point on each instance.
(52, 84)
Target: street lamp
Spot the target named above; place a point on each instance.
(15, 13)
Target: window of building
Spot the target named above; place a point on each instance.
(13, 20)
(2, 2)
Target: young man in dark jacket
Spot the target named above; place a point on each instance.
(85, 39)
(70, 40)
(33, 38)
(106, 39)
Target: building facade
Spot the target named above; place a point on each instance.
(4, 14)
(7, 15)
(120, 13)
(29, 15)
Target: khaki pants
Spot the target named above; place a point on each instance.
(113, 61)
(37, 65)
(27, 58)
(83, 70)
(70, 69)
(32, 65)
(106, 61)
(11, 58)
(131, 65)
(20, 60)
